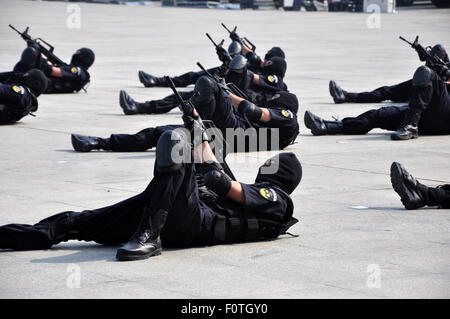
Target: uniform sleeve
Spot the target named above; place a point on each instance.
(15, 94)
(73, 73)
(271, 83)
(265, 201)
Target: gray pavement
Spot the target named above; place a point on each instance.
(356, 240)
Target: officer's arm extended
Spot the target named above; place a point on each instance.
(215, 178)
(252, 111)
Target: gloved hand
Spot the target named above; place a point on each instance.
(224, 56)
(235, 37)
(196, 129)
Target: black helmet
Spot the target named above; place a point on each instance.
(36, 81)
(439, 50)
(288, 175)
(275, 51)
(275, 65)
(234, 48)
(283, 99)
(84, 58)
(205, 90)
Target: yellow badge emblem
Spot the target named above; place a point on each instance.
(272, 78)
(268, 193)
(74, 70)
(18, 89)
(287, 113)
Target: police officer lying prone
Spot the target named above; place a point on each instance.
(228, 112)
(174, 210)
(428, 112)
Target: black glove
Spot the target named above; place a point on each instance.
(224, 56)
(234, 36)
(196, 129)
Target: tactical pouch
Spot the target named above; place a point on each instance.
(248, 228)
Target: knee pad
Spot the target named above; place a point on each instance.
(422, 77)
(29, 57)
(171, 151)
(254, 59)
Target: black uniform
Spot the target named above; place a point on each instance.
(190, 78)
(283, 108)
(394, 93)
(432, 100)
(16, 101)
(75, 76)
(191, 220)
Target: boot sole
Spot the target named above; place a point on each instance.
(332, 89)
(131, 257)
(309, 123)
(78, 146)
(123, 103)
(143, 80)
(401, 138)
(397, 179)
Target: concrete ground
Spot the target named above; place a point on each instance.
(355, 238)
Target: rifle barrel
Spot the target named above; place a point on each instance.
(402, 38)
(209, 37)
(223, 25)
(175, 92)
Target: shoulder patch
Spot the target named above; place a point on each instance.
(75, 70)
(18, 89)
(288, 114)
(268, 193)
(272, 78)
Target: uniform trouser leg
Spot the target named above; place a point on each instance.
(190, 77)
(163, 105)
(139, 142)
(395, 93)
(388, 118)
(112, 225)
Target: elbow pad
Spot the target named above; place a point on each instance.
(218, 182)
(250, 110)
(254, 59)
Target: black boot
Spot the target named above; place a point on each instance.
(410, 190)
(320, 127)
(128, 105)
(146, 242)
(338, 94)
(82, 143)
(149, 80)
(409, 129)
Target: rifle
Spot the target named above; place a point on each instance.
(235, 37)
(188, 110)
(223, 55)
(228, 86)
(433, 62)
(47, 51)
